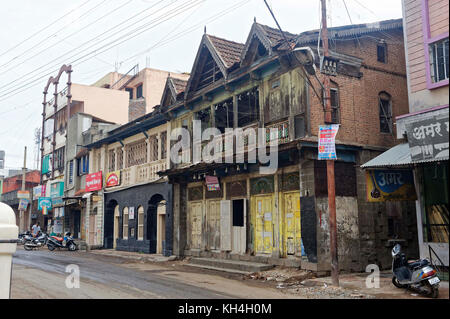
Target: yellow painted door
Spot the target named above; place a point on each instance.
(264, 224)
(196, 224)
(291, 224)
(213, 224)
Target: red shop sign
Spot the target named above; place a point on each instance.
(94, 182)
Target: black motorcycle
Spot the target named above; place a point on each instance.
(36, 242)
(61, 242)
(23, 237)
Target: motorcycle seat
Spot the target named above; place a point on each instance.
(417, 263)
(58, 238)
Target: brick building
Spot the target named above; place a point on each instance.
(282, 218)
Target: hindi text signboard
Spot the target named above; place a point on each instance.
(390, 185)
(428, 138)
(94, 182)
(327, 146)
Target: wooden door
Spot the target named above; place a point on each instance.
(213, 225)
(116, 226)
(291, 225)
(195, 217)
(263, 224)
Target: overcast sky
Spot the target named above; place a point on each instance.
(96, 36)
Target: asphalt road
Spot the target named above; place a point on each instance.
(42, 274)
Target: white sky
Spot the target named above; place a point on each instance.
(24, 69)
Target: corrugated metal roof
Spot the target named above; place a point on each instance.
(399, 155)
(396, 156)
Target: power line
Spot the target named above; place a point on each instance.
(177, 12)
(46, 27)
(92, 39)
(52, 35)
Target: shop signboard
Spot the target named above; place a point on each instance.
(327, 145)
(428, 138)
(94, 182)
(44, 202)
(212, 183)
(57, 189)
(112, 179)
(390, 185)
(23, 194)
(57, 201)
(23, 204)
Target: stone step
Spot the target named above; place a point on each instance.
(225, 264)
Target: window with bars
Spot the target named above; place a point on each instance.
(153, 140)
(385, 109)
(248, 107)
(335, 107)
(140, 223)
(59, 158)
(119, 158)
(71, 172)
(111, 160)
(125, 223)
(382, 52)
(139, 90)
(137, 153)
(439, 60)
(163, 145)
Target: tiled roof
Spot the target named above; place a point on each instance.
(274, 35)
(180, 85)
(229, 51)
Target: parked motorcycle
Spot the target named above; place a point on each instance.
(61, 242)
(419, 275)
(23, 237)
(36, 242)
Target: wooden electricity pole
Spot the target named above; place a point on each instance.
(330, 163)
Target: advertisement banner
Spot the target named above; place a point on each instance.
(44, 202)
(94, 182)
(390, 185)
(212, 183)
(37, 191)
(23, 204)
(327, 146)
(131, 212)
(57, 189)
(112, 179)
(23, 194)
(57, 201)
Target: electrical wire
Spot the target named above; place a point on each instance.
(167, 17)
(46, 27)
(52, 35)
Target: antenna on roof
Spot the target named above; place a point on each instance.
(254, 19)
(205, 29)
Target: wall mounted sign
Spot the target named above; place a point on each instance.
(212, 183)
(112, 179)
(23, 204)
(94, 182)
(57, 189)
(44, 202)
(39, 191)
(428, 138)
(327, 145)
(131, 212)
(56, 201)
(390, 185)
(23, 194)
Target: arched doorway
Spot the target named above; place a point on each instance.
(111, 223)
(156, 224)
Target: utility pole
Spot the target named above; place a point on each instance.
(24, 174)
(330, 163)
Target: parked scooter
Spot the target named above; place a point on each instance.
(61, 242)
(419, 275)
(36, 242)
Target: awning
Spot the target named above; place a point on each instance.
(397, 156)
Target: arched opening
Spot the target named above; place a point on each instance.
(116, 225)
(156, 224)
(111, 225)
(92, 226)
(125, 223)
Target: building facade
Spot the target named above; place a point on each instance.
(426, 126)
(230, 209)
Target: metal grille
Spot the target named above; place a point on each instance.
(119, 158)
(140, 223)
(163, 145)
(153, 148)
(112, 160)
(137, 153)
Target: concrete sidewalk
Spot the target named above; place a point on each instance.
(132, 256)
(357, 282)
